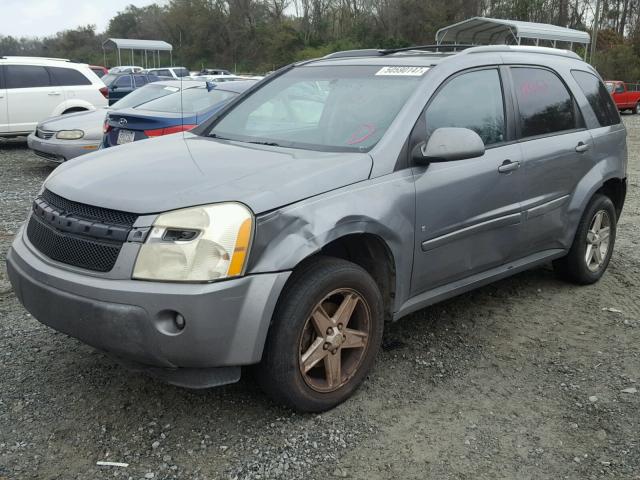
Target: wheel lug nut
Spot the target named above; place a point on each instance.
(329, 331)
(326, 345)
(340, 326)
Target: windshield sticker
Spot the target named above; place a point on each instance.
(403, 71)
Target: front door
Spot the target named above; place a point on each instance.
(468, 216)
(4, 114)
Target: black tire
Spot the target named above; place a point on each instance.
(279, 373)
(573, 267)
(636, 109)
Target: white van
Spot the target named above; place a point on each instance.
(34, 88)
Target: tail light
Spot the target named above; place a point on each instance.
(106, 128)
(158, 132)
(104, 91)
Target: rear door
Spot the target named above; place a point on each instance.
(72, 82)
(4, 114)
(468, 217)
(558, 152)
(120, 87)
(31, 96)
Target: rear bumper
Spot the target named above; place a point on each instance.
(226, 322)
(60, 150)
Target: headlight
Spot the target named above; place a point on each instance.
(70, 134)
(197, 244)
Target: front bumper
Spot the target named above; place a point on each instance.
(59, 151)
(226, 322)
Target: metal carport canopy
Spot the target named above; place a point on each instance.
(131, 44)
(134, 44)
(482, 30)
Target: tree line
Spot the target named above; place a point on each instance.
(261, 35)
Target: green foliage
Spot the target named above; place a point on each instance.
(262, 35)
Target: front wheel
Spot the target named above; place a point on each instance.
(324, 336)
(636, 109)
(593, 244)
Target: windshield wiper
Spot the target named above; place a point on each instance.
(270, 144)
(213, 135)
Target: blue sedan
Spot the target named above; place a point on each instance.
(171, 113)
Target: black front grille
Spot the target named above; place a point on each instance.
(81, 235)
(89, 212)
(75, 250)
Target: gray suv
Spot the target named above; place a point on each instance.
(334, 195)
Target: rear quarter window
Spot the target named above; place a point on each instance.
(545, 105)
(26, 76)
(67, 77)
(598, 97)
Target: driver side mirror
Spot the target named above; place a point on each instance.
(449, 143)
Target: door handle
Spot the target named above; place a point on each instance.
(582, 147)
(53, 93)
(508, 166)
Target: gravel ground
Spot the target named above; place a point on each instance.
(529, 378)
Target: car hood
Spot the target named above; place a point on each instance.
(90, 122)
(173, 172)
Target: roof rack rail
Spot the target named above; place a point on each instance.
(522, 48)
(381, 52)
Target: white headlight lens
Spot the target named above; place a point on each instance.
(198, 244)
(70, 134)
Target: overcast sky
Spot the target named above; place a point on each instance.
(39, 18)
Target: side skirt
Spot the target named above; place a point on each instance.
(470, 283)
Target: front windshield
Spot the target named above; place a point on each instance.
(610, 86)
(339, 108)
(108, 79)
(192, 100)
(144, 94)
(181, 72)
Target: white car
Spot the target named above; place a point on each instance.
(223, 78)
(169, 72)
(126, 69)
(34, 88)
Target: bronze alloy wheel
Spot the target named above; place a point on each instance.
(334, 340)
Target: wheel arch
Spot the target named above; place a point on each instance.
(76, 103)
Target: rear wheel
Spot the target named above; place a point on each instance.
(593, 244)
(324, 336)
(636, 109)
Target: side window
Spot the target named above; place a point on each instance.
(598, 96)
(164, 73)
(472, 100)
(139, 80)
(123, 81)
(26, 76)
(66, 77)
(619, 88)
(545, 104)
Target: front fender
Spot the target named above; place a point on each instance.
(384, 207)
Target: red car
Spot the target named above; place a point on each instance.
(625, 95)
(98, 70)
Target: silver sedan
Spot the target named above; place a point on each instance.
(62, 138)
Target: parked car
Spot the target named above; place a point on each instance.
(98, 70)
(214, 71)
(284, 236)
(625, 97)
(122, 84)
(169, 114)
(169, 72)
(221, 78)
(62, 138)
(126, 69)
(33, 88)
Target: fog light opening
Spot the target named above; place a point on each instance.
(170, 322)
